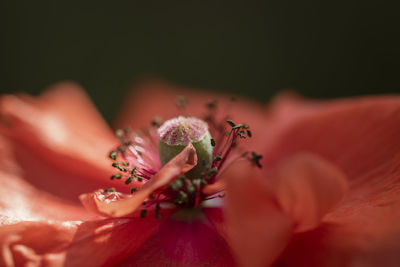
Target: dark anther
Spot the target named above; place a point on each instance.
(231, 123)
(181, 101)
(116, 176)
(113, 155)
(121, 168)
(133, 189)
(212, 104)
(129, 180)
(256, 159)
(212, 142)
(109, 190)
(143, 213)
(217, 158)
(242, 134)
(249, 134)
(157, 121)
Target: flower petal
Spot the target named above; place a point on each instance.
(58, 135)
(258, 229)
(263, 213)
(357, 135)
(179, 165)
(217, 218)
(21, 201)
(183, 242)
(306, 188)
(360, 136)
(94, 243)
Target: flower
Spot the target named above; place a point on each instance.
(327, 194)
(56, 147)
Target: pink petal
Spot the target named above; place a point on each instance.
(60, 135)
(125, 206)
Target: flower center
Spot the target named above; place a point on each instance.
(138, 158)
(175, 134)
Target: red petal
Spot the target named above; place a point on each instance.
(21, 201)
(360, 136)
(185, 243)
(217, 218)
(96, 243)
(179, 165)
(263, 213)
(59, 135)
(306, 188)
(258, 229)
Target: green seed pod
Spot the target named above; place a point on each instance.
(177, 133)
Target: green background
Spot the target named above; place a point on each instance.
(320, 48)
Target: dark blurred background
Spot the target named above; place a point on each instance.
(321, 49)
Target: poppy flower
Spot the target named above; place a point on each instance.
(57, 150)
(326, 195)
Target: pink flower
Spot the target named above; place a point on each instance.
(327, 194)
